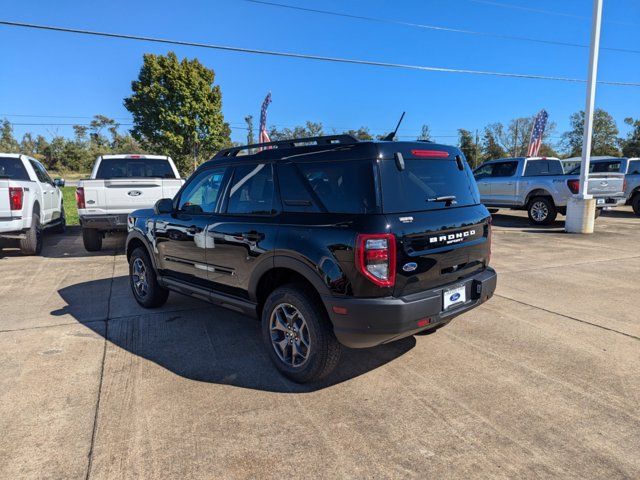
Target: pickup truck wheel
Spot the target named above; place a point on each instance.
(92, 239)
(298, 335)
(542, 211)
(61, 227)
(31, 244)
(635, 204)
(144, 283)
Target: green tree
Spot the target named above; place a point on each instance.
(515, 137)
(8, 143)
(491, 149)
(361, 134)
(468, 147)
(309, 129)
(604, 140)
(425, 134)
(177, 110)
(631, 144)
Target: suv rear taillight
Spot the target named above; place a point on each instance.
(574, 186)
(80, 197)
(16, 195)
(376, 258)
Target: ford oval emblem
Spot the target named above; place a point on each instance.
(454, 297)
(134, 193)
(409, 267)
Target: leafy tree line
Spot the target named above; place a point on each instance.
(177, 111)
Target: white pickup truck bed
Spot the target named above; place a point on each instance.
(120, 184)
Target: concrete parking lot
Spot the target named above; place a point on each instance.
(542, 381)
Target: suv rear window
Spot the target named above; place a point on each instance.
(13, 168)
(345, 186)
(422, 181)
(134, 168)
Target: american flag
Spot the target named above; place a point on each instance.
(537, 133)
(264, 136)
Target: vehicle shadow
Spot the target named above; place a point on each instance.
(513, 221)
(618, 213)
(203, 342)
(67, 245)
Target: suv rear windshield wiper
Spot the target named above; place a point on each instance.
(448, 199)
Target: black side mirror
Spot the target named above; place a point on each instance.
(163, 206)
(58, 182)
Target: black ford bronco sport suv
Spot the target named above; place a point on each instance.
(326, 240)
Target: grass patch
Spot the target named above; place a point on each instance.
(69, 196)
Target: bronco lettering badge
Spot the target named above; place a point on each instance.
(451, 238)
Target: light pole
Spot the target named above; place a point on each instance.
(581, 208)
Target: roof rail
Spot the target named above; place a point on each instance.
(292, 143)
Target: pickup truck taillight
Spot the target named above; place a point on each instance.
(16, 196)
(376, 258)
(80, 198)
(574, 186)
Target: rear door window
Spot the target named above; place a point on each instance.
(41, 173)
(634, 168)
(422, 184)
(483, 172)
(252, 191)
(134, 168)
(543, 167)
(12, 168)
(341, 186)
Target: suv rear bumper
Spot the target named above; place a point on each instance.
(105, 222)
(374, 321)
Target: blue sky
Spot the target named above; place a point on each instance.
(48, 73)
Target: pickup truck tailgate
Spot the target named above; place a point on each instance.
(128, 194)
(605, 184)
(5, 209)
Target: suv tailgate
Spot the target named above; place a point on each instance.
(439, 247)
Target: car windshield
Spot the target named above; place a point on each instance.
(12, 168)
(134, 168)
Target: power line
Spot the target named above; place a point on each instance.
(435, 27)
(546, 12)
(305, 56)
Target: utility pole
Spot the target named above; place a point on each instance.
(581, 208)
(476, 162)
(515, 139)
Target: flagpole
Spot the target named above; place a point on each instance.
(581, 208)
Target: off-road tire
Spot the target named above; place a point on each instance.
(92, 239)
(324, 351)
(31, 244)
(537, 202)
(635, 204)
(156, 295)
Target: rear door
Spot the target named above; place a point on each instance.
(244, 233)
(442, 230)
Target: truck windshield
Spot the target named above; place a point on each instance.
(134, 168)
(426, 185)
(12, 168)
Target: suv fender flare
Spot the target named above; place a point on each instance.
(282, 261)
(136, 235)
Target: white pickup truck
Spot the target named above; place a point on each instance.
(30, 202)
(120, 184)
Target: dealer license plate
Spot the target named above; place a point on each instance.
(454, 296)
